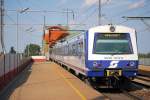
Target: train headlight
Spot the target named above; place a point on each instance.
(95, 64)
(135, 74)
(132, 63)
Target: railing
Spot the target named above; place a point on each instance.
(10, 66)
(144, 61)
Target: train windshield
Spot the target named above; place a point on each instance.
(112, 43)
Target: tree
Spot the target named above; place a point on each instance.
(144, 55)
(12, 50)
(32, 50)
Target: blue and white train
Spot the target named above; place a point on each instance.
(101, 52)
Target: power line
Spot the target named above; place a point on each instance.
(12, 20)
(42, 24)
(148, 25)
(67, 12)
(40, 11)
(15, 23)
(88, 16)
(130, 10)
(46, 11)
(136, 17)
(85, 11)
(123, 22)
(146, 29)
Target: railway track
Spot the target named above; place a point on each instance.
(145, 78)
(120, 93)
(142, 80)
(131, 93)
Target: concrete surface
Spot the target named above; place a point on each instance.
(49, 81)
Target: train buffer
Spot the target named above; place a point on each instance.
(49, 81)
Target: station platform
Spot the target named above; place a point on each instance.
(49, 81)
(144, 70)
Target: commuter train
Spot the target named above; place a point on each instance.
(102, 52)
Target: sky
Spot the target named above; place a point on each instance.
(30, 28)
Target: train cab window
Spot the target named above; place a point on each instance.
(112, 43)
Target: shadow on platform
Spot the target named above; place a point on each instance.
(16, 83)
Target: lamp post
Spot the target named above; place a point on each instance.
(19, 12)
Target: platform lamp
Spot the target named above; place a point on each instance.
(19, 12)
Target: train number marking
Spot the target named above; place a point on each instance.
(113, 64)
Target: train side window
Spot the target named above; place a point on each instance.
(61, 50)
(67, 50)
(73, 49)
(76, 49)
(80, 48)
(70, 49)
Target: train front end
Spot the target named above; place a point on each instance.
(111, 51)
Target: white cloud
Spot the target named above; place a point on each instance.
(62, 2)
(89, 2)
(138, 4)
(94, 2)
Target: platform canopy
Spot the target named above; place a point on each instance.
(54, 33)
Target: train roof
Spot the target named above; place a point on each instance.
(118, 28)
(102, 28)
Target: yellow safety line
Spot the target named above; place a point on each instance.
(73, 87)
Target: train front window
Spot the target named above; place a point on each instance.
(112, 43)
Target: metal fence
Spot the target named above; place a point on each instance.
(144, 61)
(9, 62)
(10, 66)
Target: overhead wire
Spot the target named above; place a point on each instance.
(130, 10)
(146, 29)
(14, 23)
(87, 17)
(126, 11)
(115, 16)
(33, 19)
(145, 23)
(10, 19)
